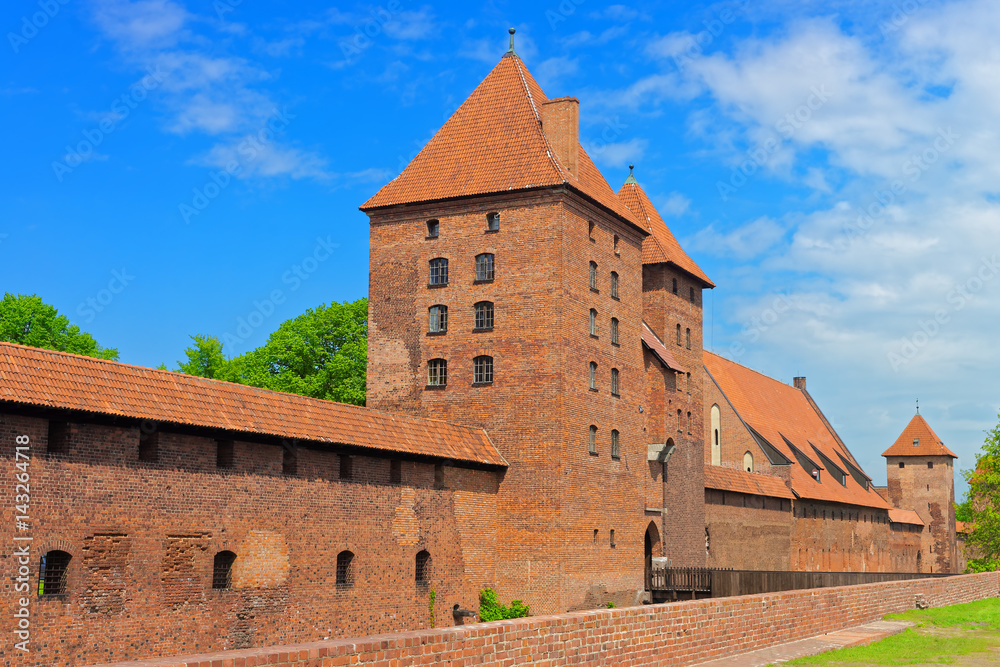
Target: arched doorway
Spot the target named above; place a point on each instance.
(652, 548)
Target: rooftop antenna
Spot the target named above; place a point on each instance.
(511, 49)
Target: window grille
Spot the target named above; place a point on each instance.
(433, 227)
(482, 370)
(423, 568)
(593, 375)
(592, 440)
(615, 450)
(222, 570)
(439, 271)
(593, 275)
(345, 570)
(437, 372)
(492, 222)
(614, 382)
(614, 285)
(52, 573)
(438, 319)
(614, 331)
(593, 322)
(484, 266)
(484, 315)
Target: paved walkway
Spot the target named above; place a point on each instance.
(863, 634)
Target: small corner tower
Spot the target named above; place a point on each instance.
(921, 476)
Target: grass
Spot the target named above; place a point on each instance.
(982, 614)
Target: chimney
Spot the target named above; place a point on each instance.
(799, 383)
(561, 125)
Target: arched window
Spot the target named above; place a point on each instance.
(675, 285)
(593, 322)
(593, 275)
(592, 440)
(689, 383)
(493, 222)
(593, 375)
(437, 372)
(423, 568)
(438, 316)
(484, 266)
(345, 570)
(52, 573)
(222, 570)
(590, 230)
(614, 331)
(439, 271)
(433, 227)
(614, 285)
(678, 334)
(679, 421)
(617, 252)
(689, 423)
(687, 337)
(484, 315)
(482, 370)
(748, 462)
(614, 382)
(615, 447)
(716, 433)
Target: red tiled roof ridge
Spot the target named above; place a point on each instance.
(549, 152)
(745, 367)
(897, 515)
(741, 481)
(930, 444)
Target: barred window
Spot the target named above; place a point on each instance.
(614, 382)
(484, 266)
(614, 285)
(678, 334)
(593, 322)
(614, 331)
(439, 271)
(687, 336)
(433, 227)
(615, 450)
(345, 570)
(592, 440)
(484, 315)
(222, 570)
(482, 369)
(593, 275)
(52, 573)
(492, 222)
(422, 572)
(593, 375)
(438, 319)
(437, 372)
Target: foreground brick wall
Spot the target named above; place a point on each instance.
(674, 634)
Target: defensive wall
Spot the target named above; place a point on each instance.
(681, 633)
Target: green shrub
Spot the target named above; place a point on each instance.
(611, 605)
(490, 608)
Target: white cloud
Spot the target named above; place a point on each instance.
(550, 71)
(616, 154)
(748, 241)
(267, 159)
(674, 205)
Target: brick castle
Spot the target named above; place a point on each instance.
(542, 419)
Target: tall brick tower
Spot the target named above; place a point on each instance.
(921, 477)
(506, 292)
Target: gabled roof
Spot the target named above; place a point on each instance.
(783, 415)
(656, 346)
(751, 483)
(494, 143)
(919, 431)
(660, 246)
(905, 516)
(43, 378)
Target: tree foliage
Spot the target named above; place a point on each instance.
(983, 504)
(322, 353)
(28, 320)
(491, 609)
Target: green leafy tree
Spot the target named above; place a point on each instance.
(983, 501)
(28, 320)
(204, 358)
(491, 609)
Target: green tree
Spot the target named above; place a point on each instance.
(204, 358)
(983, 501)
(28, 320)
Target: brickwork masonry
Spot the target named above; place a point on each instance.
(672, 634)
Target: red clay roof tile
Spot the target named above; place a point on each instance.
(919, 431)
(656, 346)
(905, 516)
(752, 483)
(31, 376)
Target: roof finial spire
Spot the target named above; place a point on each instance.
(511, 49)
(631, 178)
(918, 406)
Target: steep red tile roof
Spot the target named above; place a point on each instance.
(494, 143)
(905, 516)
(928, 444)
(660, 246)
(656, 346)
(778, 411)
(963, 527)
(30, 376)
(755, 484)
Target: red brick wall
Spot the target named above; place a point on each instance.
(830, 537)
(681, 633)
(930, 492)
(143, 537)
(748, 532)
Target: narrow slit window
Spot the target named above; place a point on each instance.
(614, 331)
(678, 334)
(692, 295)
(593, 322)
(675, 286)
(614, 285)
(687, 338)
(592, 440)
(593, 276)
(615, 447)
(614, 382)
(593, 375)
(617, 252)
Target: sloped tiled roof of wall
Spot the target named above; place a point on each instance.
(778, 411)
(660, 246)
(905, 516)
(656, 346)
(928, 444)
(44, 378)
(494, 143)
(739, 481)
(963, 527)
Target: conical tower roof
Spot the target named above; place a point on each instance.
(918, 439)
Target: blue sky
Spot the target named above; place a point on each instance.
(833, 166)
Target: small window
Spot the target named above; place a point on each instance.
(592, 440)
(437, 319)
(692, 294)
(902, 465)
(595, 536)
(395, 472)
(678, 421)
(930, 464)
(687, 338)
(482, 370)
(688, 383)
(614, 331)
(748, 462)
(916, 442)
(345, 570)
(493, 222)
(149, 443)
(433, 227)
(593, 276)
(593, 322)
(346, 467)
(689, 423)
(678, 334)
(52, 573)
(708, 541)
(617, 252)
(422, 571)
(224, 453)
(437, 372)
(484, 315)
(484, 266)
(222, 570)
(58, 442)
(675, 285)
(612, 540)
(614, 382)
(439, 271)
(289, 461)
(615, 452)
(590, 230)
(614, 285)
(593, 375)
